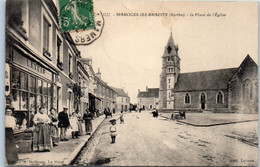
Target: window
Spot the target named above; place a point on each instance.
(140, 100)
(29, 93)
(169, 80)
(70, 65)
(187, 98)
(169, 95)
(122, 99)
(18, 16)
(58, 50)
(219, 97)
(247, 90)
(46, 37)
(169, 49)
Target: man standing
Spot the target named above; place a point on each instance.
(63, 123)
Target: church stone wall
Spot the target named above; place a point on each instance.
(195, 103)
(237, 101)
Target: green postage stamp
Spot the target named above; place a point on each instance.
(76, 15)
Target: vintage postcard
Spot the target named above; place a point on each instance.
(131, 83)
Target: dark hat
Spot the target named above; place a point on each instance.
(65, 108)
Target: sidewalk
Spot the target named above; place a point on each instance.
(213, 119)
(62, 154)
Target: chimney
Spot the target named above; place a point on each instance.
(98, 74)
(146, 88)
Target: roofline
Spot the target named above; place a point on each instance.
(210, 70)
(248, 56)
(198, 90)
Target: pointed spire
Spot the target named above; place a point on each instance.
(171, 41)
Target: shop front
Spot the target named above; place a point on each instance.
(30, 84)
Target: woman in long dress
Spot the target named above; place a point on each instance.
(79, 122)
(54, 126)
(10, 145)
(42, 137)
(74, 125)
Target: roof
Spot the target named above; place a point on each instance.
(120, 92)
(151, 92)
(204, 80)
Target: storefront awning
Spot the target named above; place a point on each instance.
(93, 96)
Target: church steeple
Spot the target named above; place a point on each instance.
(171, 48)
(169, 75)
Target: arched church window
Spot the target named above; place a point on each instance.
(248, 90)
(219, 97)
(169, 49)
(187, 98)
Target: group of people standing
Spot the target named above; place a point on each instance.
(49, 129)
(46, 133)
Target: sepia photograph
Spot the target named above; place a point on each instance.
(131, 83)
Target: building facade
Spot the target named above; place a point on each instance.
(44, 68)
(223, 90)
(40, 60)
(123, 100)
(149, 99)
(105, 93)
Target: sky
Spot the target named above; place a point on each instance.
(129, 49)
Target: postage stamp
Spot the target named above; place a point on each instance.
(87, 37)
(76, 15)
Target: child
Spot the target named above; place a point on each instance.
(113, 130)
(122, 118)
(74, 125)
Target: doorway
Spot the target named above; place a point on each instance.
(203, 100)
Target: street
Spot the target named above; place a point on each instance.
(144, 140)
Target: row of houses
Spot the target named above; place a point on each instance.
(44, 68)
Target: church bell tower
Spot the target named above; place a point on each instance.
(169, 74)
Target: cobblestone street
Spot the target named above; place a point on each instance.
(144, 140)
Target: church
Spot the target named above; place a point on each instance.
(223, 90)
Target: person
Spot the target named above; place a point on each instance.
(156, 113)
(54, 127)
(114, 111)
(10, 146)
(63, 123)
(74, 125)
(122, 118)
(88, 122)
(24, 122)
(42, 137)
(113, 130)
(80, 132)
(97, 112)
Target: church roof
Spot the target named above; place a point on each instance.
(151, 92)
(120, 92)
(204, 80)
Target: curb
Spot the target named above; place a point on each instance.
(224, 123)
(77, 150)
